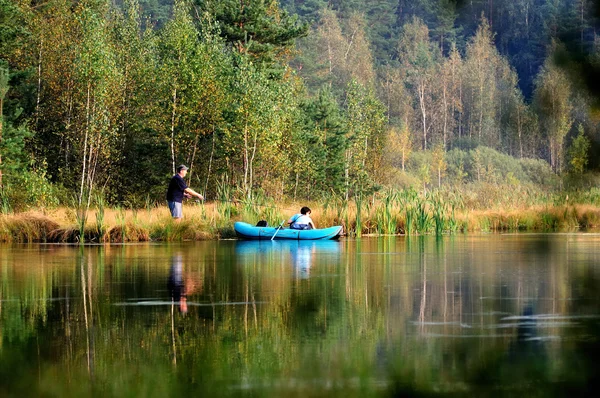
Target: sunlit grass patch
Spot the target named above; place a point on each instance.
(588, 216)
(26, 227)
(128, 232)
(390, 212)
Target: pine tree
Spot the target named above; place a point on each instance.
(326, 121)
(256, 27)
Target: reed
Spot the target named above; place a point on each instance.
(4, 203)
(121, 225)
(225, 204)
(387, 213)
(358, 217)
(81, 217)
(453, 224)
(100, 224)
(385, 218)
(423, 217)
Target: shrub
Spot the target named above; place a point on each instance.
(31, 189)
(539, 172)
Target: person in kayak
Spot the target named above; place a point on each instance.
(302, 220)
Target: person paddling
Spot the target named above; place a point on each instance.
(177, 190)
(302, 220)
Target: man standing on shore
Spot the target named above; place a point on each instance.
(178, 189)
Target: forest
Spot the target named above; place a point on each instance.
(296, 100)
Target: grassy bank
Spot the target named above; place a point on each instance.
(395, 212)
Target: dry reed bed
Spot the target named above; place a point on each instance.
(211, 221)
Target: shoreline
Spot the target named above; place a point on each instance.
(212, 222)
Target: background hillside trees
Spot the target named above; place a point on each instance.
(343, 99)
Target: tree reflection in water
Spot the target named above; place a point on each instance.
(476, 316)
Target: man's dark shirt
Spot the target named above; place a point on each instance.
(176, 188)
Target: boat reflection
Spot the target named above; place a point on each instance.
(301, 255)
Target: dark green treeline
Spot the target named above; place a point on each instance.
(106, 100)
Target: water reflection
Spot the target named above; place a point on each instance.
(473, 315)
(180, 285)
(302, 259)
(300, 255)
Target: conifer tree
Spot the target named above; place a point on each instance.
(256, 27)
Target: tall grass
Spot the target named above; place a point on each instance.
(358, 217)
(423, 220)
(385, 214)
(390, 212)
(4, 203)
(225, 201)
(100, 222)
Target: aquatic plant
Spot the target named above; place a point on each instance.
(358, 217)
(385, 214)
(100, 222)
(423, 219)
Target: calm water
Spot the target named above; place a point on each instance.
(483, 315)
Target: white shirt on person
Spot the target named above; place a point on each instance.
(300, 221)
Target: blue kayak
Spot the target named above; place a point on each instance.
(247, 231)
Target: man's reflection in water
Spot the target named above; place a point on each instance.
(527, 353)
(302, 257)
(179, 285)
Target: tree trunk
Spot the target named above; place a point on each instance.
(251, 165)
(520, 132)
(39, 85)
(1, 127)
(296, 184)
(85, 142)
(347, 174)
(445, 114)
(403, 152)
(173, 127)
(421, 90)
(194, 150)
(212, 152)
(480, 110)
(246, 161)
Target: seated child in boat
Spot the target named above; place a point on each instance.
(302, 220)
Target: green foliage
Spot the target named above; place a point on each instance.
(255, 27)
(539, 172)
(366, 137)
(578, 152)
(12, 28)
(112, 103)
(552, 100)
(385, 217)
(29, 188)
(323, 134)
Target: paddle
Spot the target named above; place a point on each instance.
(278, 228)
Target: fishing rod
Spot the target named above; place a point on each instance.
(243, 202)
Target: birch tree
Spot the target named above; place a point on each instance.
(97, 78)
(4, 78)
(366, 136)
(480, 86)
(418, 59)
(552, 99)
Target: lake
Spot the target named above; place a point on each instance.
(466, 315)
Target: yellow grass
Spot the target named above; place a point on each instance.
(203, 222)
